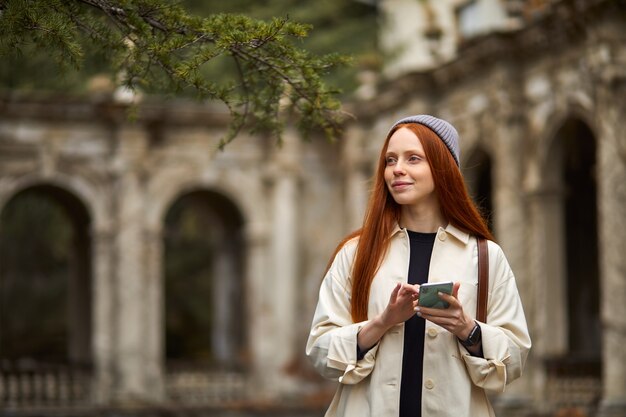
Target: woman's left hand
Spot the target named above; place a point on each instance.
(453, 318)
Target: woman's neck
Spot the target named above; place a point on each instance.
(422, 219)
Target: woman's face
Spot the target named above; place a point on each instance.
(407, 172)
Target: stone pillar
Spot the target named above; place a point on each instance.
(546, 309)
(611, 175)
(103, 316)
(546, 304)
(136, 283)
(258, 289)
(356, 173)
(131, 293)
(511, 228)
(285, 262)
(153, 312)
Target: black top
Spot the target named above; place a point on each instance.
(413, 356)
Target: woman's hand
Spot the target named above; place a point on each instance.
(453, 318)
(401, 307)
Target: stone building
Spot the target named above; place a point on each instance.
(538, 107)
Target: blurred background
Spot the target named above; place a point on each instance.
(144, 273)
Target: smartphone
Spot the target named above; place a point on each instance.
(428, 294)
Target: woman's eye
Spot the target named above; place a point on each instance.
(391, 161)
(414, 158)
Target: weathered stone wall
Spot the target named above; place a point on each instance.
(128, 174)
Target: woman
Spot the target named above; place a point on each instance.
(391, 356)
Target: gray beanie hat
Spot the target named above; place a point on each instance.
(446, 132)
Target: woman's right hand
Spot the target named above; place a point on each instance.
(401, 307)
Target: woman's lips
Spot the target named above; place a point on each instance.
(400, 184)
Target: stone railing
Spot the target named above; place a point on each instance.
(30, 384)
(33, 384)
(187, 385)
(574, 383)
(200, 388)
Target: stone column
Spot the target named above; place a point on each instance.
(285, 261)
(258, 290)
(131, 293)
(546, 308)
(153, 314)
(355, 170)
(611, 175)
(136, 288)
(511, 227)
(103, 316)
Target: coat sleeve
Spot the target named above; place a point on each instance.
(332, 343)
(505, 338)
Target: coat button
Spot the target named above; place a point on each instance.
(429, 384)
(442, 235)
(432, 332)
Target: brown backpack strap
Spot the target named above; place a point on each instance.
(483, 280)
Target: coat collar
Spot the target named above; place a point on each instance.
(462, 236)
(457, 233)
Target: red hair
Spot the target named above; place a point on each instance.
(383, 213)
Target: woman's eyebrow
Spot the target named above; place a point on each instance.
(406, 151)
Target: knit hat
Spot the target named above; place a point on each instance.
(446, 132)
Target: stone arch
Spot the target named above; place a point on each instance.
(83, 191)
(569, 195)
(171, 184)
(213, 335)
(553, 123)
(64, 284)
(477, 170)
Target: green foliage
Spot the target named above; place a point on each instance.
(337, 26)
(157, 46)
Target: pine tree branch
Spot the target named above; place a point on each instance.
(148, 32)
(119, 15)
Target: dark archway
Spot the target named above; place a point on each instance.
(581, 240)
(45, 278)
(573, 263)
(204, 285)
(477, 172)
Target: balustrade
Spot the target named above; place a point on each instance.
(33, 384)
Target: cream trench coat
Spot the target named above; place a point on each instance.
(454, 382)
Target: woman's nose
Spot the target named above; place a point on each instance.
(398, 169)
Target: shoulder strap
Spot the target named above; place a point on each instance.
(483, 280)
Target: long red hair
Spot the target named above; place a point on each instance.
(383, 213)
